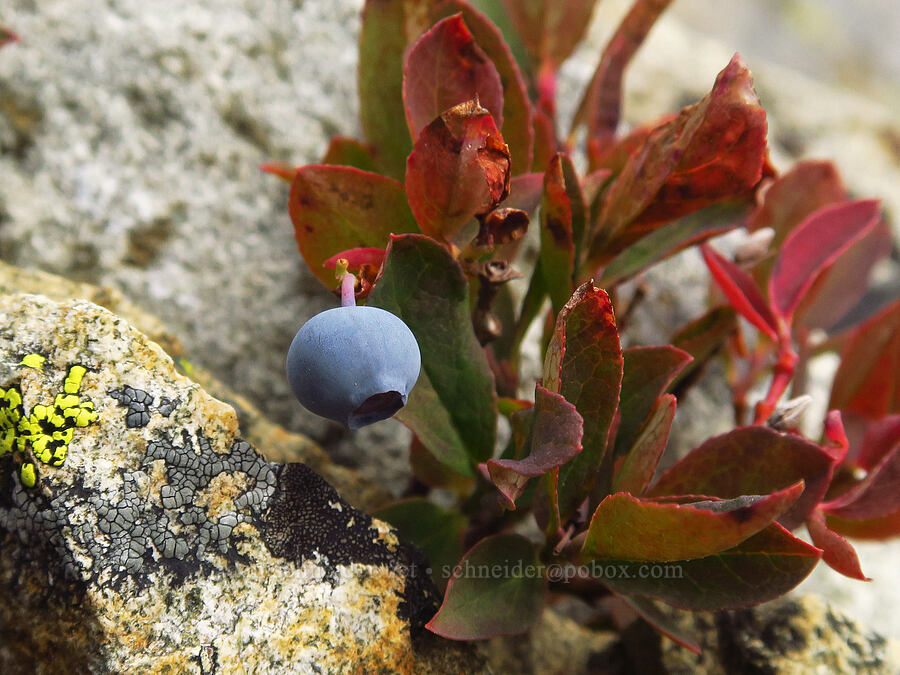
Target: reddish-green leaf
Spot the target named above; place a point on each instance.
(752, 460)
(837, 552)
(584, 364)
(557, 257)
(458, 168)
(881, 438)
(814, 246)
(668, 532)
(555, 439)
(497, 589)
(670, 239)
(702, 338)
(763, 567)
(867, 382)
(637, 466)
(516, 127)
(842, 286)
(436, 531)
(345, 151)
(382, 42)
(876, 496)
(602, 103)
(453, 407)
(741, 291)
(445, 68)
(713, 151)
(434, 473)
(550, 29)
(661, 621)
(884, 527)
(7, 36)
(336, 208)
(648, 372)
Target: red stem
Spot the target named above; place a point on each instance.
(782, 374)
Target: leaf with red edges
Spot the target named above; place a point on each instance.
(555, 439)
(741, 291)
(761, 568)
(636, 468)
(445, 68)
(814, 246)
(752, 460)
(382, 43)
(557, 257)
(837, 552)
(880, 528)
(670, 532)
(648, 372)
(458, 168)
(867, 382)
(702, 338)
(282, 170)
(713, 151)
(506, 602)
(516, 127)
(336, 208)
(584, 364)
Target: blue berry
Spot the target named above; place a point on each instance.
(355, 365)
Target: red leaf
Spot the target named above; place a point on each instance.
(842, 286)
(7, 36)
(752, 460)
(602, 103)
(837, 445)
(867, 382)
(336, 208)
(679, 532)
(814, 246)
(555, 439)
(458, 168)
(506, 600)
(516, 127)
(356, 258)
(876, 496)
(837, 552)
(741, 291)
(550, 29)
(639, 463)
(584, 364)
(382, 43)
(880, 439)
(713, 151)
(884, 527)
(283, 170)
(445, 68)
(648, 372)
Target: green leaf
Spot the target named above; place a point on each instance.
(336, 208)
(436, 531)
(668, 532)
(382, 42)
(423, 285)
(497, 589)
(345, 151)
(550, 29)
(672, 238)
(639, 463)
(584, 364)
(648, 372)
(657, 617)
(764, 567)
(752, 460)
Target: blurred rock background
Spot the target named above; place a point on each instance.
(131, 135)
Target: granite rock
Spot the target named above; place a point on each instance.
(139, 532)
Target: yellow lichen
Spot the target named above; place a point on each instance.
(48, 429)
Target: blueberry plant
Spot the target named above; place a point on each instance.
(462, 184)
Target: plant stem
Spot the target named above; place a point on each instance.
(348, 290)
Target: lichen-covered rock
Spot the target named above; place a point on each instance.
(797, 636)
(139, 532)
